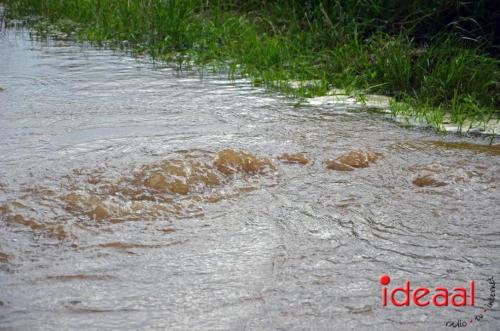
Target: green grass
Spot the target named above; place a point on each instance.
(439, 58)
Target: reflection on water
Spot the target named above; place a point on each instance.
(135, 196)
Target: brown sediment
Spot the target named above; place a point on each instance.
(39, 191)
(99, 212)
(178, 187)
(51, 230)
(82, 310)
(477, 148)
(247, 189)
(56, 231)
(66, 278)
(293, 158)
(214, 198)
(126, 246)
(359, 159)
(160, 182)
(78, 201)
(4, 209)
(449, 145)
(4, 257)
(21, 220)
(174, 187)
(353, 159)
(423, 181)
(122, 245)
(174, 168)
(94, 179)
(433, 168)
(168, 230)
(156, 181)
(230, 162)
(335, 165)
(90, 205)
(457, 171)
(202, 174)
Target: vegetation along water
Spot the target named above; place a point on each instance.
(439, 59)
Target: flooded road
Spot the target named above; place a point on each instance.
(134, 196)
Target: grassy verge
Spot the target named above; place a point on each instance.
(438, 59)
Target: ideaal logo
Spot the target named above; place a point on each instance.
(421, 296)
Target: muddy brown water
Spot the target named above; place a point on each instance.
(134, 196)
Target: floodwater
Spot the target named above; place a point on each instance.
(135, 196)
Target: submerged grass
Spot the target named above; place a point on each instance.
(439, 59)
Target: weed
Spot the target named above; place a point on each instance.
(436, 58)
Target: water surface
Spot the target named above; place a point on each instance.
(135, 196)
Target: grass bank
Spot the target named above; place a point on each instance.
(439, 59)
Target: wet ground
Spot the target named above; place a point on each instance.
(135, 196)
